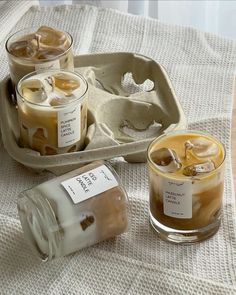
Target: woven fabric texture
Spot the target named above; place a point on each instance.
(11, 12)
(201, 67)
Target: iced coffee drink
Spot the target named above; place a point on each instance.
(33, 49)
(52, 111)
(74, 211)
(186, 172)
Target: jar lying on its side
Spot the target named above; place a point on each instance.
(74, 211)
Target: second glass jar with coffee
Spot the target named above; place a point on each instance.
(52, 111)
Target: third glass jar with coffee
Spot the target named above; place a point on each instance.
(186, 172)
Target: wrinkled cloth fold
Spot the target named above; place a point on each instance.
(201, 67)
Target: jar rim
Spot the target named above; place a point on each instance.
(29, 208)
(80, 98)
(43, 60)
(153, 165)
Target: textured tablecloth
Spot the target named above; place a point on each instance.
(201, 67)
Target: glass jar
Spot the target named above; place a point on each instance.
(52, 111)
(38, 49)
(74, 211)
(186, 179)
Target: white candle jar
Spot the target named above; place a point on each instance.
(74, 211)
(52, 111)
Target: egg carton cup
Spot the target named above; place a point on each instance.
(131, 101)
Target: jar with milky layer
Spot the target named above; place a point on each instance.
(74, 211)
(52, 111)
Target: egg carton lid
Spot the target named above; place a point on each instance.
(130, 101)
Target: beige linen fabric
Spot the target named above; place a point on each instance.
(11, 12)
(201, 67)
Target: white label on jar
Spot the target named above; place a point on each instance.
(49, 65)
(90, 184)
(68, 126)
(177, 198)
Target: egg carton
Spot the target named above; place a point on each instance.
(131, 101)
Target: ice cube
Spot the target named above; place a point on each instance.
(52, 38)
(48, 53)
(198, 169)
(21, 49)
(57, 101)
(87, 221)
(40, 134)
(166, 160)
(203, 147)
(33, 90)
(65, 83)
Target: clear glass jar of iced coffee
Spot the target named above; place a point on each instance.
(52, 111)
(41, 48)
(74, 211)
(186, 180)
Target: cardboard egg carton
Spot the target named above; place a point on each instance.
(130, 102)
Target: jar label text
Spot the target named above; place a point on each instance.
(177, 198)
(68, 126)
(90, 184)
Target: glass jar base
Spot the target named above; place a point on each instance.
(184, 236)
